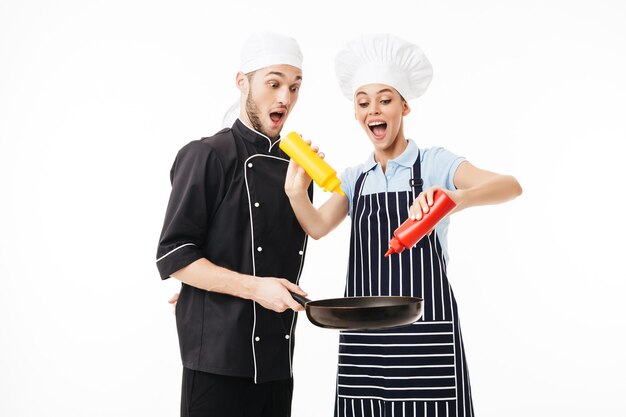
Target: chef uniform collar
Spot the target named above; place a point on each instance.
(258, 139)
(383, 59)
(264, 49)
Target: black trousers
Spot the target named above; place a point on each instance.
(210, 395)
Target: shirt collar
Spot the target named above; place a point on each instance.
(405, 159)
(249, 134)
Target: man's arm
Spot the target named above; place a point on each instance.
(272, 293)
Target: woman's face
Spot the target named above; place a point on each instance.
(379, 109)
(270, 94)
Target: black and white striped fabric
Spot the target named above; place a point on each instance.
(415, 370)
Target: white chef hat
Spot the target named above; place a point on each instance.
(383, 59)
(266, 48)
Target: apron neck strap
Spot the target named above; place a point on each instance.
(416, 182)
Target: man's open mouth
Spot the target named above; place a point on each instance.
(277, 116)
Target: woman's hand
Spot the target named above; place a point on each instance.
(297, 181)
(425, 201)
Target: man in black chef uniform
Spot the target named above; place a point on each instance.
(232, 239)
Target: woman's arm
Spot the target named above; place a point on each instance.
(315, 222)
(475, 187)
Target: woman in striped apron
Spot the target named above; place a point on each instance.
(416, 370)
(420, 369)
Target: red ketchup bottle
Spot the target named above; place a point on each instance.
(411, 231)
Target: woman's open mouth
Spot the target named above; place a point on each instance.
(378, 129)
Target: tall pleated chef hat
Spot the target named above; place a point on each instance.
(264, 49)
(383, 59)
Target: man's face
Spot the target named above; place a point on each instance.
(271, 94)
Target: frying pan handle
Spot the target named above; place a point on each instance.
(300, 298)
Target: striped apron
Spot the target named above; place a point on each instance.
(415, 370)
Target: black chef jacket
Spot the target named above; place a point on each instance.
(228, 205)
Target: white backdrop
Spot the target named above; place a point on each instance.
(96, 97)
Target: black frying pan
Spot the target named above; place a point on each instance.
(362, 313)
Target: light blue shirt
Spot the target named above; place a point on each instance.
(438, 166)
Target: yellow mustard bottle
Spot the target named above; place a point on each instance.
(301, 152)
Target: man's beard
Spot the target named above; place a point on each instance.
(253, 114)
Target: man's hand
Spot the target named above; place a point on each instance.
(273, 294)
(173, 301)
